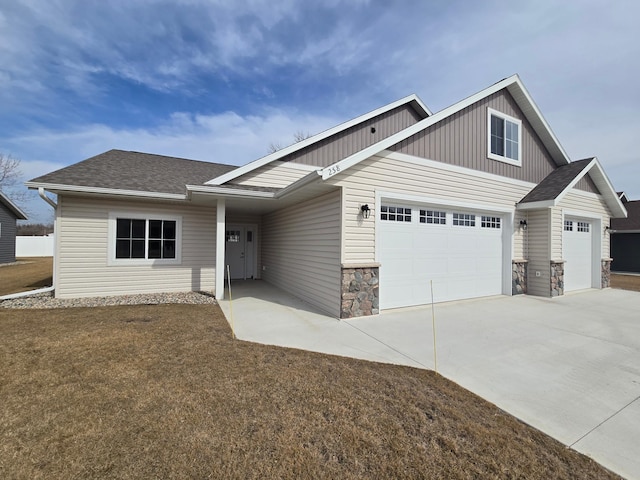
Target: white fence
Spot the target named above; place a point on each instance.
(35, 246)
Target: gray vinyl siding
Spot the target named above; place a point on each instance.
(538, 238)
(82, 268)
(356, 138)
(7, 235)
(275, 174)
(301, 251)
(461, 139)
(363, 180)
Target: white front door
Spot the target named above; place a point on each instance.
(240, 251)
(576, 250)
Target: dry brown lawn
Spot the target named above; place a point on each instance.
(625, 282)
(26, 274)
(164, 392)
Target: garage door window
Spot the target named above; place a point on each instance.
(464, 219)
(490, 222)
(583, 227)
(568, 226)
(395, 214)
(433, 216)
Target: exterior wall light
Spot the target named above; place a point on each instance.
(523, 224)
(365, 210)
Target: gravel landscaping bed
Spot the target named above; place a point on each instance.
(46, 300)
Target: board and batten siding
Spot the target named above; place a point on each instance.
(7, 235)
(276, 174)
(301, 251)
(385, 174)
(461, 139)
(82, 267)
(356, 138)
(538, 238)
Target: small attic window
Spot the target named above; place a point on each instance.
(504, 138)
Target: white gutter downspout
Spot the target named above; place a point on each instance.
(46, 199)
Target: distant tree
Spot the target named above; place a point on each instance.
(31, 229)
(297, 137)
(10, 178)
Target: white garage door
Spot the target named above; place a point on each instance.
(576, 250)
(461, 252)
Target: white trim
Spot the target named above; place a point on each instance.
(220, 247)
(249, 167)
(52, 187)
(111, 239)
(507, 118)
(230, 192)
(307, 179)
(440, 202)
(536, 205)
(425, 162)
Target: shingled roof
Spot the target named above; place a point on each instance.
(556, 182)
(136, 171)
(632, 222)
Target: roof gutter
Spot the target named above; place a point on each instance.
(53, 187)
(46, 199)
(230, 192)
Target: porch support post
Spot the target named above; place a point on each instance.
(220, 246)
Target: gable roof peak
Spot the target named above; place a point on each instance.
(413, 100)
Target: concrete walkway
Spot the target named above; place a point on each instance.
(569, 366)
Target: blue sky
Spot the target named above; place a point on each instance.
(220, 80)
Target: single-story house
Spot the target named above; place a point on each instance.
(625, 238)
(9, 214)
(478, 199)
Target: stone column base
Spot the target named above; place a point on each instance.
(519, 277)
(605, 272)
(360, 286)
(557, 279)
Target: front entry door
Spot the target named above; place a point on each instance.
(240, 251)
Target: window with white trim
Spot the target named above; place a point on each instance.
(582, 227)
(504, 138)
(395, 214)
(490, 222)
(464, 219)
(142, 239)
(568, 226)
(433, 216)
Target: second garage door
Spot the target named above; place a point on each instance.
(460, 251)
(576, 250)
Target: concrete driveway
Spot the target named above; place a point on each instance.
(569, 366)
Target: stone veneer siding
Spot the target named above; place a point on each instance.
(519, 277)
(605, 272)
(360, 287)
(557, 279)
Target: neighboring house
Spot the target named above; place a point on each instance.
(9, 213)
(478, 199)
(625, 238)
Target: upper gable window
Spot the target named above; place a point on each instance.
(505, 138)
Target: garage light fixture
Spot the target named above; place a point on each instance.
(523, 224)
(365, 210)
